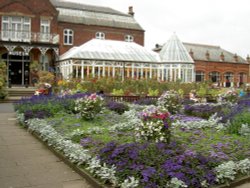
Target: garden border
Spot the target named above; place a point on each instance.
(90, 179)
(97, 184)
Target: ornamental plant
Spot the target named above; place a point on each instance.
(155, 125)
(89, 106)
(171, 100)
(229, 96)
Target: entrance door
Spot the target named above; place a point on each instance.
(16, 72)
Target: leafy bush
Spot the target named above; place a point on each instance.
(89, 106)
(155, 125)
(3, 69)
(170, 100)
(237, 122)
(118, 107)
(117, 92)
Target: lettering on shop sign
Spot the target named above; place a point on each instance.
(19, 53)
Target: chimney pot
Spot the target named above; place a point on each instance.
(236, 58)
(248, 58)
(207, 55)
(191, 53)
(131, 11)
(222, 57)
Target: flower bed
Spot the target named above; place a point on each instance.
(121, 149)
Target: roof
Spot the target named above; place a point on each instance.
(173, 51)
(111, 50)
(200, 50)
(94, 15)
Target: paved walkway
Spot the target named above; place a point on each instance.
(27, 163)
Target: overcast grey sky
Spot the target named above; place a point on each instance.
(223, 23)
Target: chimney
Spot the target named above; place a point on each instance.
(207, 55)
(235, 57)
(222, 57)
(248, 59)
(191, 53)
(131, 11)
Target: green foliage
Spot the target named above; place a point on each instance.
(129, 86)
(46, 77)
(89, 107)
(236, 124)
(3, 73)
(117, 92)
(152, 92)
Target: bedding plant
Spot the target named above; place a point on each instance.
(126, 149)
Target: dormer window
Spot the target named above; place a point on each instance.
(129, 38)
(68, 35)
(100, 35)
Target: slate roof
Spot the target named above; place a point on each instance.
(111, 50)
(93, 15)
(200, 50)
(173, 51)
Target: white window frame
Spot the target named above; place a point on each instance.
(129, 38)
(100, 35)
(68, 36)
(44, 30)
(13, 34)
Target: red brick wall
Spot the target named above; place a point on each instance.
(222, 67)
(84, 33)
(31, 8)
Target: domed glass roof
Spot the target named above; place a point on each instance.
(173, 51)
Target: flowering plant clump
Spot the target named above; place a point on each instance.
(89, 106)
(155, 125)
(159, 164)
(170, 100)
(229, 96)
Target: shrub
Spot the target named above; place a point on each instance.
(170, 100)
(155, 125)
(237, 122)
(89, 106)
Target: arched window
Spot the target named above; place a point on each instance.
(129, 38)
(199, 76)
(242, 78)
(214, 76)
(228, 78)
(100, 35)
(68, 35)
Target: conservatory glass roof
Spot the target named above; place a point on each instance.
(111, 50)
(173, 51)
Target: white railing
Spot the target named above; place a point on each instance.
(24, 36)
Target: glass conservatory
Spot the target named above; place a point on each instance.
(176, 63)
(109, 58)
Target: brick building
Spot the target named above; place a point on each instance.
(37, 32)
(212, 63)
